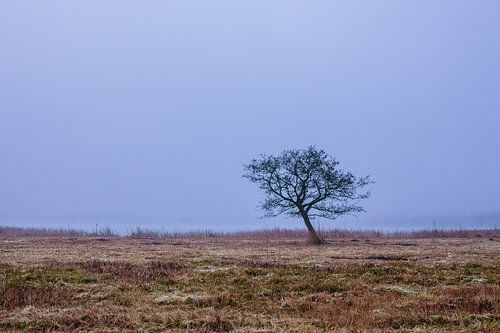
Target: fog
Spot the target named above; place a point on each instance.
(142, 113)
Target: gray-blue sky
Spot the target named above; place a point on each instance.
(145, 111)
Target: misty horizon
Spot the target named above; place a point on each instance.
(127, 116)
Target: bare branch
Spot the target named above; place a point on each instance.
(306, 183)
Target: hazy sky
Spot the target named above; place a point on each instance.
(143, 112)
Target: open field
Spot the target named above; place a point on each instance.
(259, 284)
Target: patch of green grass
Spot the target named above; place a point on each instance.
(413, 322)
(255, 272)
(45, 275)
(204, 263)
(166, 282)
(19, 325)
(483, 322)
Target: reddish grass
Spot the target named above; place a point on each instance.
(17, 295)
(263, 234)
(6, 231)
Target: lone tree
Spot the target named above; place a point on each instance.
(306, 183)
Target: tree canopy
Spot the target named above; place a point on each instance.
(306, 183)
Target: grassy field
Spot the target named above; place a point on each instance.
(254, 284)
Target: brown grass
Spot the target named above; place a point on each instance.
(261, 234)
(22, 295)
(281, 233)
(222, 284)
(127, 272)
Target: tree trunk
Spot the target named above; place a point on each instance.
(312, 233)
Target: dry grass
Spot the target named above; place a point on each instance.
(261, 234)
(223, 284)
(6, 231)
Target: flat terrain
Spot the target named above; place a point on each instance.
(96, 284)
